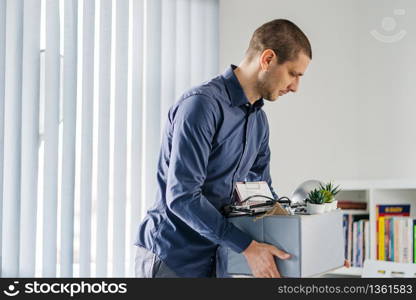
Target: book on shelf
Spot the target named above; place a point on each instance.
(395, 238)
(345, 227)
(390, 239)
(354, 244)
(380, 240)
(367, 240)
(406, 247)
(360, 243)
(345, 204)
(387, 248)
(414, 241)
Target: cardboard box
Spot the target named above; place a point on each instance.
(315, 242)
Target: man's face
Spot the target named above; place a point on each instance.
(283, 78)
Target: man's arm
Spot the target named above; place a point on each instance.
(193, 130)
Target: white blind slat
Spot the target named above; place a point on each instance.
(183, 47)
(168, 56)
(211, 34)
(30, 136)
(197, 45)
(120, 137)
(12, 138)
(137, 120)
(51, 136)
(151, 108)
(103, 150)
(86, 137)
(2, 71)
(69, 132)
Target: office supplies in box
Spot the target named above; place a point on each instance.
(253, 198)
(315, 243)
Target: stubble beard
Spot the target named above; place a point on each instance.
(264, 91)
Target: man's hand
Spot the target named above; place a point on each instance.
(260, 258)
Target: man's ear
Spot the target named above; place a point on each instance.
(266, 59)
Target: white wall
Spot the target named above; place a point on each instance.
(387, 93)
(352, 117)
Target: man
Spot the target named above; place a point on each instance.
(217, 134)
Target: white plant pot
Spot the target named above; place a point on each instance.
(328, 206)
(315, 209)
(333, 205)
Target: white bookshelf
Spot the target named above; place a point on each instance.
(353, 271)
(375, 192)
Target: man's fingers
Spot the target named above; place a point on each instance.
(279, 253)
(347, 263)
(272, 268)
(275, 273)
(278, 275)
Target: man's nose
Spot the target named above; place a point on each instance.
(293, 87)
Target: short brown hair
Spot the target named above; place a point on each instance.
(283, 37)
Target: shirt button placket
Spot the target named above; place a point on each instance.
(245, 142)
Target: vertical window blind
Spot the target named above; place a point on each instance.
(85, 88)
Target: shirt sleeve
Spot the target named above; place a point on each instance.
(193, 131)
(260, 171)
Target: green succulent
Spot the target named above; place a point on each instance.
(329, 191)
(316, 197)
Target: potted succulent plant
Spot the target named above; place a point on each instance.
(315, 202)
(330, 191)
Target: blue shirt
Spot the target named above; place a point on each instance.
(213, 138)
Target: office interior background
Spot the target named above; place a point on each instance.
(85, 87)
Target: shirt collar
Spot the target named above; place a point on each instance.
(235, 90)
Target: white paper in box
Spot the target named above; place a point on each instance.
(315, 242)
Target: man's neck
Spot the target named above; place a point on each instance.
(247, 77)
